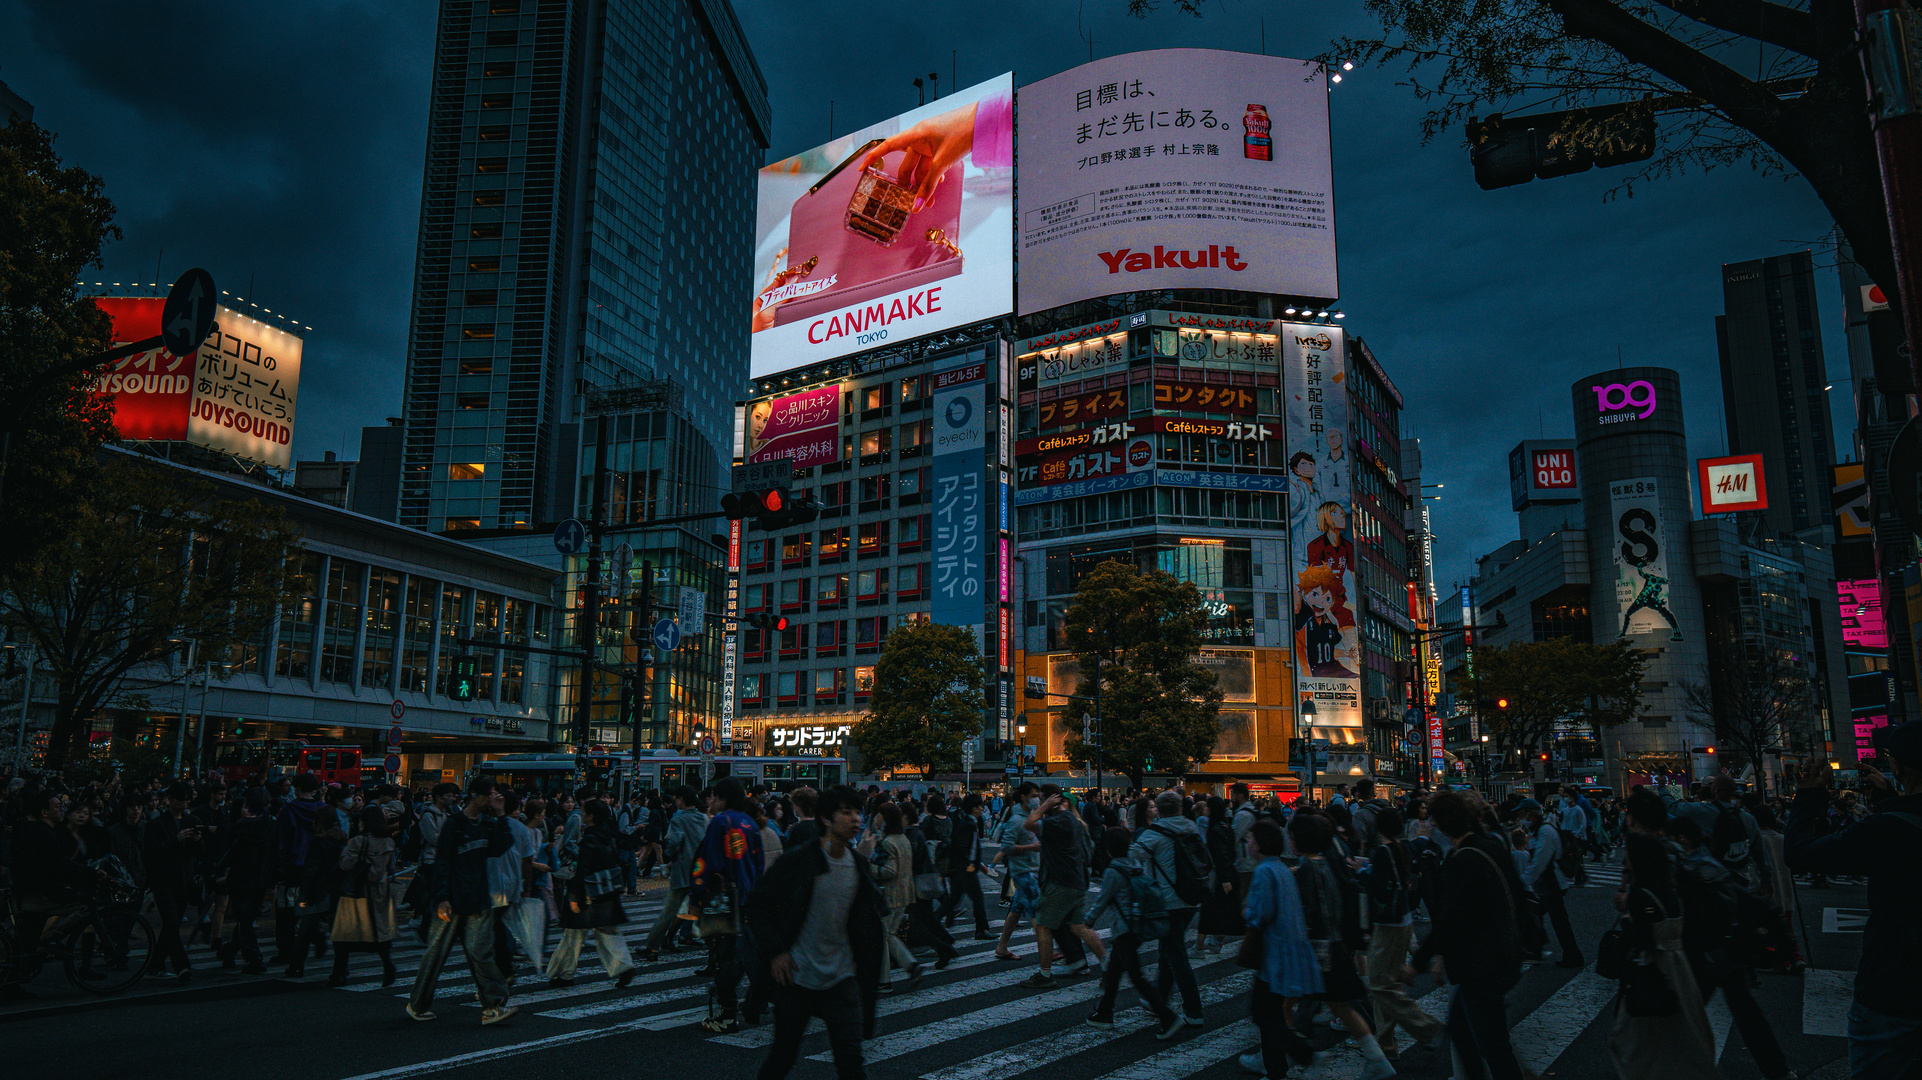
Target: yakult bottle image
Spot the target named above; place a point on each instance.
(1255, 143)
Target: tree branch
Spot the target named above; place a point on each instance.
(1780, 26)
(1742, 100)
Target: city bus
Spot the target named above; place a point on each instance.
(241, 760)
(658, 770)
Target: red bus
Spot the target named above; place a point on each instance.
(241, 760)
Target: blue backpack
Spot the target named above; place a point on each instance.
(1143, 909)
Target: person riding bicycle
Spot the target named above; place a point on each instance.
(48, 881)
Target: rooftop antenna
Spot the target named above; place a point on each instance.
(934, 83)
(920, 92)
(954, 67)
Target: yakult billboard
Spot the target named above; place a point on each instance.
(1176, 169)
(237, 396)
(893, 232)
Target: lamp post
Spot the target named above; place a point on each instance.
(1305, 719)
(26, 703)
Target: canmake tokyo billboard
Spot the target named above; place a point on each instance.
(895, 231)
(236, 396)
(1176, 169)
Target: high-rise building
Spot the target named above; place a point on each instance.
(589, 190)
(1774, 386)
(13, 106)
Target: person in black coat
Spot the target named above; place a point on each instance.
(815, 917)
(1474, 940)
(964, 868)
(248, 868)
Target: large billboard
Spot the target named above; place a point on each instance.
(1176, 169)
(1862, 622)
(1314, 378)
(962, 513)
(237, 396)
(1639, 551)
(893, 232)
(803, 427)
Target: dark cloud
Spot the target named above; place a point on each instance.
(284, 141)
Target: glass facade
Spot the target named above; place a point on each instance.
(589, 192)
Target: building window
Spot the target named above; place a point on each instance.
(483, 298)
(482, 264)
(417, 634)
(830, 639)
(755, 597)
(907, 581)
(794, 641)
(911, 388)
(344, 583)
(497, 38)
(471, 470)
(908, 531)
(490, 165)
(497, 101)
(487, 198)
(476, 365)
(878, 441)
(756, 554)
(863, 682)
(478, 332)
(830, 686)
(873, 538)
(471, 401)
(453, 627)
(497, 69)
(873, 489)
(794, 595)
(871, 586)
(910, 487)
(494, 133)
(462, 524)
(754, 690)
(831, 592)
(788, 686)
(794, 550)
(869, 633)
(876, 397)
(383, 623)
(294, 657)
(834, 544)
(485, 230)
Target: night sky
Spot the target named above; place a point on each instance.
(282, 144)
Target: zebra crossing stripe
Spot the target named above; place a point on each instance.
(1541, 1036)
(625, 1003)
(1191, 1056)
(1047, 1049)
(1826, 996)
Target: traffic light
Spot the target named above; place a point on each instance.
(1709, 750)
(1510, 150)
(771, 508)
(466, 678)
(1501, 703)
(762, 620)
(630, 701)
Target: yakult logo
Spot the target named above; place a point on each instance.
(1615, 397)
(1161, 258)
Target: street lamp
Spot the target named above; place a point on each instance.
(1306, 721)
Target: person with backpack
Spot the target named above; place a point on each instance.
(679, 845)
(1476, 939)
(1719, 921)
(1554, 858)
(591, 902)
(1389, 879)
(1220, 915)
(1136, 900)
(964, 867)
(924, 929)
(1171, 850)
(1885, 1020)
(320, 883)
(364, 914)
(630, 832)
(418, 844)
(1064, 888)
(1734, 837)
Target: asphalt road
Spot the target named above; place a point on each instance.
(970, 1022)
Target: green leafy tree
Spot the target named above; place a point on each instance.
(929, 697)
(1777, 87)
(1549, 682)
(1140, 634)
(1754, 699)
(53, 221)
(150, 558)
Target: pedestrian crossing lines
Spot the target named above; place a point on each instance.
(1603, 875)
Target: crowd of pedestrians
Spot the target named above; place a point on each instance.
(814, 904)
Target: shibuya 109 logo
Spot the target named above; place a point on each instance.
(1622, 399)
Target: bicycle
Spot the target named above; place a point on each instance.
(103, 942)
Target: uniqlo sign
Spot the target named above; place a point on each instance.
(1554, 470)
(1730, 484)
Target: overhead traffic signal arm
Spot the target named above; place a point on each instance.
(1511, 150)
(771, 508)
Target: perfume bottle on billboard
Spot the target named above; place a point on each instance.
(1255, 142)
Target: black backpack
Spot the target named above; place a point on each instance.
(1194, 873)
(1569, 862)
(1729, 842)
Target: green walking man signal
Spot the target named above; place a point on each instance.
(466, 678)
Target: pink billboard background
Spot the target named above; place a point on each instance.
(804, 427)
(1861, 603)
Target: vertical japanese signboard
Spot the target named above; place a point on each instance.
(1639, 551)
(1322, 551)
(962, 510)
(730, 631)
(237, 395)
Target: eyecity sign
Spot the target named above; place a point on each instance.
(1622, 399)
